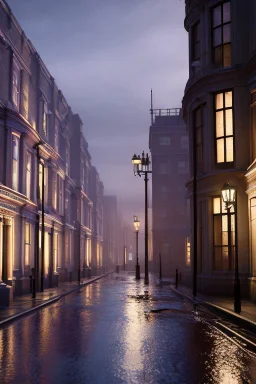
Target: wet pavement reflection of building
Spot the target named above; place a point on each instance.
(107, 333)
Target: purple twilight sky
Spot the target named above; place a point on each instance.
(105, 56)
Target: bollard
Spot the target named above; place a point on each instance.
(30, 283)
(177, 278)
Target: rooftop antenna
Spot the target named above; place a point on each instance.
(151, 109)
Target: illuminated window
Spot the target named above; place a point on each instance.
(45, 119)
(15, 162)
(16, 84)
(28, 174)
(56, 251)
(221, 34)
(188, 251)
(196, 45)
(54, 202)
(183, 167)
(164, 140)
(199, 129)
(27, 243)
(224, 127)
(222, 261)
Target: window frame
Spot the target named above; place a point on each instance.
(28, 171)
(185, 168)
(17, 161)
(225, 164)
(163, 142)
(199, 165)
(45, 118)
(221, 25)
(194, 42)
(16, 70)
(231, 263)
(27, 243)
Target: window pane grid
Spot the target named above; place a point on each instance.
(221, 35)
(224, 127)
(222, 260)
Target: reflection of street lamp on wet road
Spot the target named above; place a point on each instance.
(136, 223)
(229, 196)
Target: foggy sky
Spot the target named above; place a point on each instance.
(105, 56)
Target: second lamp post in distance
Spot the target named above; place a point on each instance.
(136, 224)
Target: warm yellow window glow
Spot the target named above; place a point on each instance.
(188, 251)
(27, 243)
(216, 205)
(224, 128)
(229, 149)
(220, 151)
(15, 161)
(228, 99)
(56, 249)
(219, 124)
(28, 175)
(222, 259)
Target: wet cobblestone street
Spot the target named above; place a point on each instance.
(112, 331)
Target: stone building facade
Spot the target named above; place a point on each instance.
(219, 111)
(43, 157)
(168, 142)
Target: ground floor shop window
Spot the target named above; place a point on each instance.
(223, 252)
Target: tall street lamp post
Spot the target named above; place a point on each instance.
(229, 197)
(141, 166)
(136, 224)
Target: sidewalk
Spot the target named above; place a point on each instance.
(24, 304)
(224, 305)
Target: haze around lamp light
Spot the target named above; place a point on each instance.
(136, 223)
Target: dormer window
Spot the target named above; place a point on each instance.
(196, 46)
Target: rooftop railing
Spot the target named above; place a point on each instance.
(166, 112)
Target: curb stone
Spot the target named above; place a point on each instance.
(49, 301)
(236, 318)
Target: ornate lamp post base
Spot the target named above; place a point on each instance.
(137, 272)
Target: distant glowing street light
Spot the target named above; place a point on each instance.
(229, 196)
(141, 166)
(136, 224)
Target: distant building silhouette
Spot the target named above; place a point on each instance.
(168, 142)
